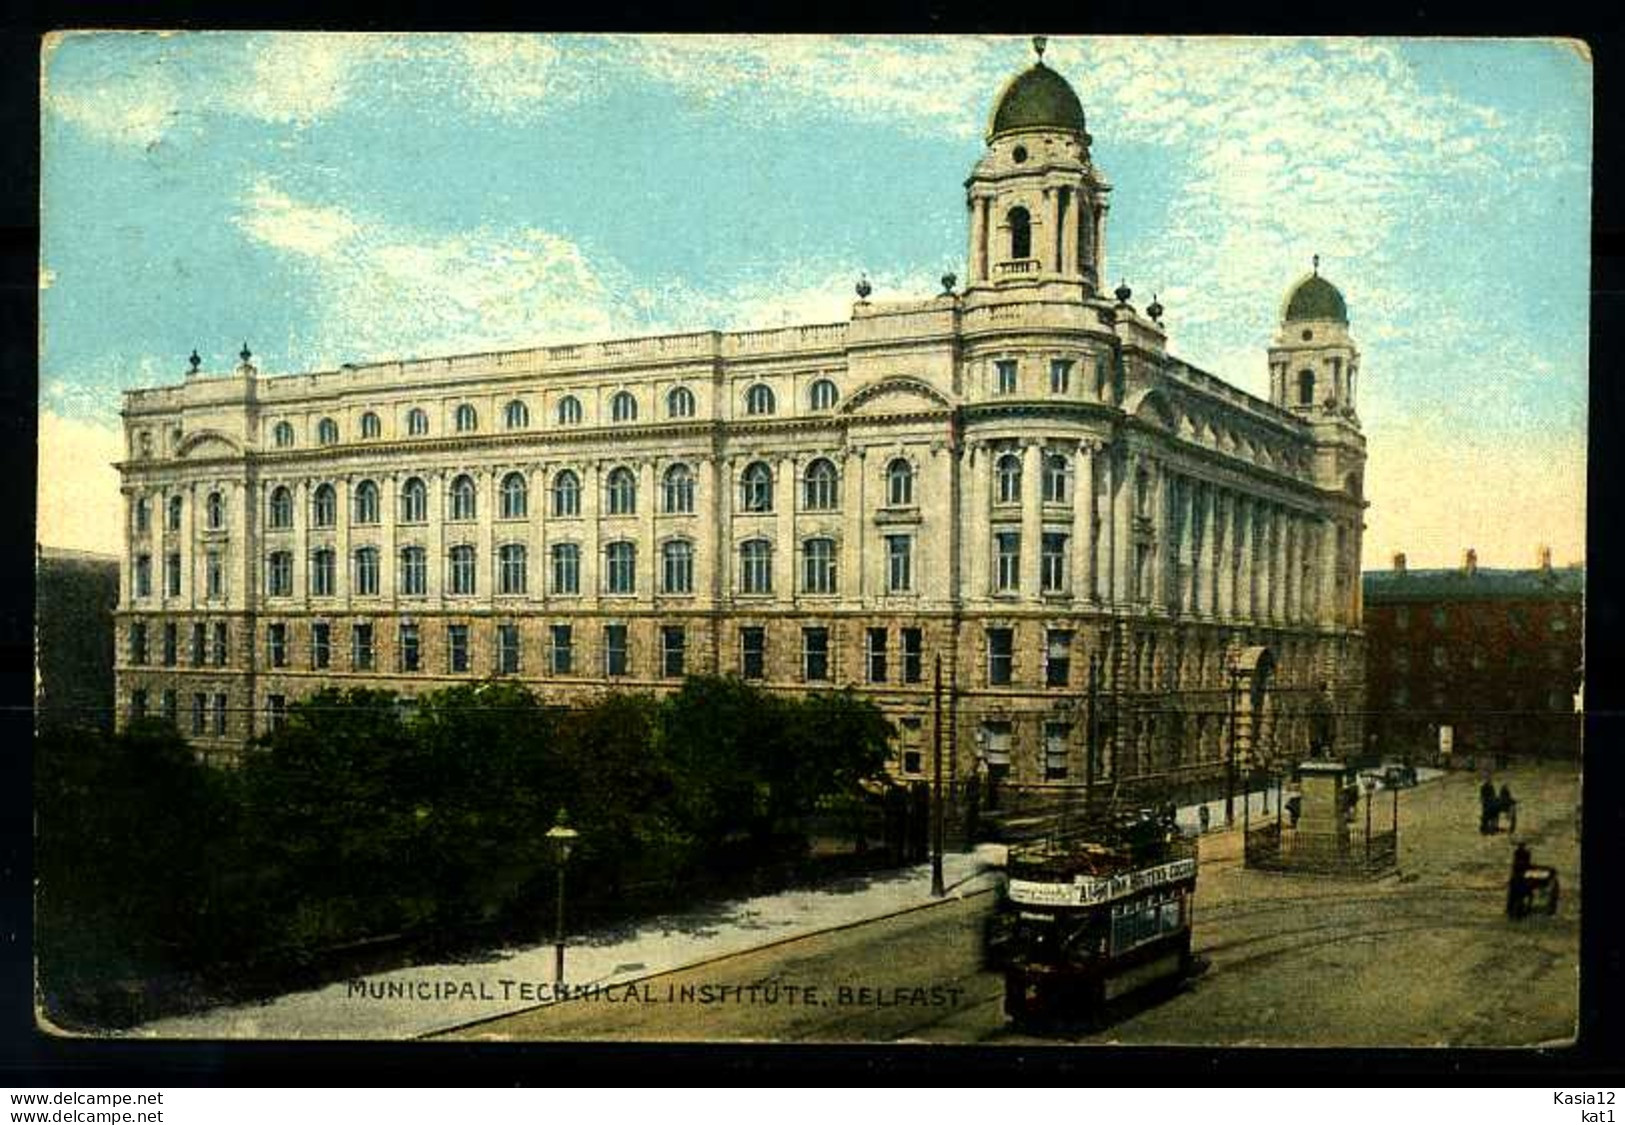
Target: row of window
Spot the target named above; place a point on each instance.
(214, 575)
(214, 506)
(1476, 658)
(623, 407)
(209, 712)
(1516, 618)
(208, 645)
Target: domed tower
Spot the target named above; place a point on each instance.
(1314, 365)
(1037, 204)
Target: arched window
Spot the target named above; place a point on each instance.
(371, 427)
(679, 489)
(677, 567)
(511, 569)
(281, 513)
(465, 420)
(823, 394)
(174, 513)
(143, 513)
(756, 567)
(366, 502)
(756, 484)
(1142, 493)
(516, 415)
(215, 511)
(417, 422)
(900, 483)
(1009, 474)
(462, 498)
(680, 403)
(566, 494)
(462, 569)
(623, 407)
(620, 570)
(1306, 387)
(1055, 479)
(414, 501)
(819, 486)
(1021, 234)
(327, 432)
(569, 411)
(621, 488)
(282, 435)
(513, 496)
(323, 506)
(759, 399)
(818, 566)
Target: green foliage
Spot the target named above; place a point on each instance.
(356, 818)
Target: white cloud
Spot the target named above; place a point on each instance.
(296, 77)
(79, 506)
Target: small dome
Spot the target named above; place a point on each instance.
(1037, 98)
(1315, 298)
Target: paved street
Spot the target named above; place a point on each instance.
(1422, 958)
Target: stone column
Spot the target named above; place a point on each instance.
(388, 540)
(435, 550)
(592, 563)
(849, 551)
(1032, 518)
(1278, 571)
(1127, 471)
(1161, 533)
(786, 480)
(192, 561)
(979, 237)
(1223, 581)
(301, 538)
(487, 484)
(1246, 546)
(343, 564)
(976, 535)
(648, 561)
(1081, 557)
(1100, 245)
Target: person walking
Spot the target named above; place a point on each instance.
(1202, 818)
(1517, 887)
(1486, 807)
(1505, 805)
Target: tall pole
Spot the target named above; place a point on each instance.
(937, 889)
(1230, 759)
(558, 931)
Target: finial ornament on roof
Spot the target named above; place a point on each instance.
(1039, 43)
(195, 360)
(864, 288)
(1316, 261)
(245, 355)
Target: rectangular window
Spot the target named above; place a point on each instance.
(276, 644)
(138, 642)
(909, 743)
(1005, 376)
(673, 646)
(1142, 575)
(221, 649)
(220, 709)
(172, 644)
(138, 704)
(561, 650)
(411, 649)
(913, 656)
(321, 644)
(508, 649)
(1060, 376)
(414, 572)
(143, 576)
(875, 655)
(615, 657)
(200, 643)
(143, 515)
(1007, 561)
(566, 568)
(899, 563)
(171, 705)
(172, 575)
(276, 710)
(511, 576)
(279, 574)
(200, 712)
(1056, 736)
(366, 571)
(753, 652)
(214, 575)
(457, 648)
(1057, 657)
(1054, 563)
(1000, 655)
(815, 654)
(321, 573)
(361, 646)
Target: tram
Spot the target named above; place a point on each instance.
(1089, 918)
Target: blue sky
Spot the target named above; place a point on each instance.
(341, 198)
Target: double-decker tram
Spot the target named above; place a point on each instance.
(1090, 917)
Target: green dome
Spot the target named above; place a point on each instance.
(1037, 98)
(1315, 298)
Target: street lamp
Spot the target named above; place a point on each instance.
(937, 889)
(563, 838)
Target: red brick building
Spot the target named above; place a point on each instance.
(1472, 661)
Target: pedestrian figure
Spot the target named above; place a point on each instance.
(1505, 804)
(1294, 808)
(1486, 807)
(1202, 817)
(1517, 884)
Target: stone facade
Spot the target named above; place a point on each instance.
(1013, 477)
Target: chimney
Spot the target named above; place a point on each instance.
(1545, 557)
(1469, 562)
(1399, 562)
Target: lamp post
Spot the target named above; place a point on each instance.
(1230, 758)
(563, 838)
(937, 889)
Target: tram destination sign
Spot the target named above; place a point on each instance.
(1087, 890)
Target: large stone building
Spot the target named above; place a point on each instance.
(1117, 557)
(75, 594)
(1475, 660)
